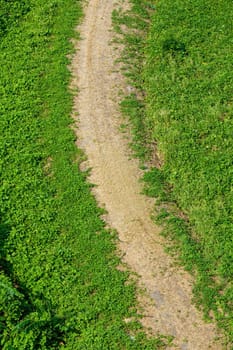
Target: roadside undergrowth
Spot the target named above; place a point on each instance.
(179, 108)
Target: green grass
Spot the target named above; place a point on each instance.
(60, 286)
(185, 90)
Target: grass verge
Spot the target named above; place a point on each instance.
(180, 62)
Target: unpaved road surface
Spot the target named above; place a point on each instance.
(168, 307)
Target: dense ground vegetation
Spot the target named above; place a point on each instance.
(59, 282)
(182, 67)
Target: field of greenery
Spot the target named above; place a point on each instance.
(59, 283)
(181, 62)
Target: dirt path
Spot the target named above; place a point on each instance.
(169, 311)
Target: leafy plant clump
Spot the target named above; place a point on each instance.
(183, 51)
(11, 12)
(59, 283)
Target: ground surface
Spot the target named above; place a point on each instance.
(168, 307)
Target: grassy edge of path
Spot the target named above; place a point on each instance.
(150, 132)
(60, 286)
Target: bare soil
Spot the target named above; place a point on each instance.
(167, 305)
